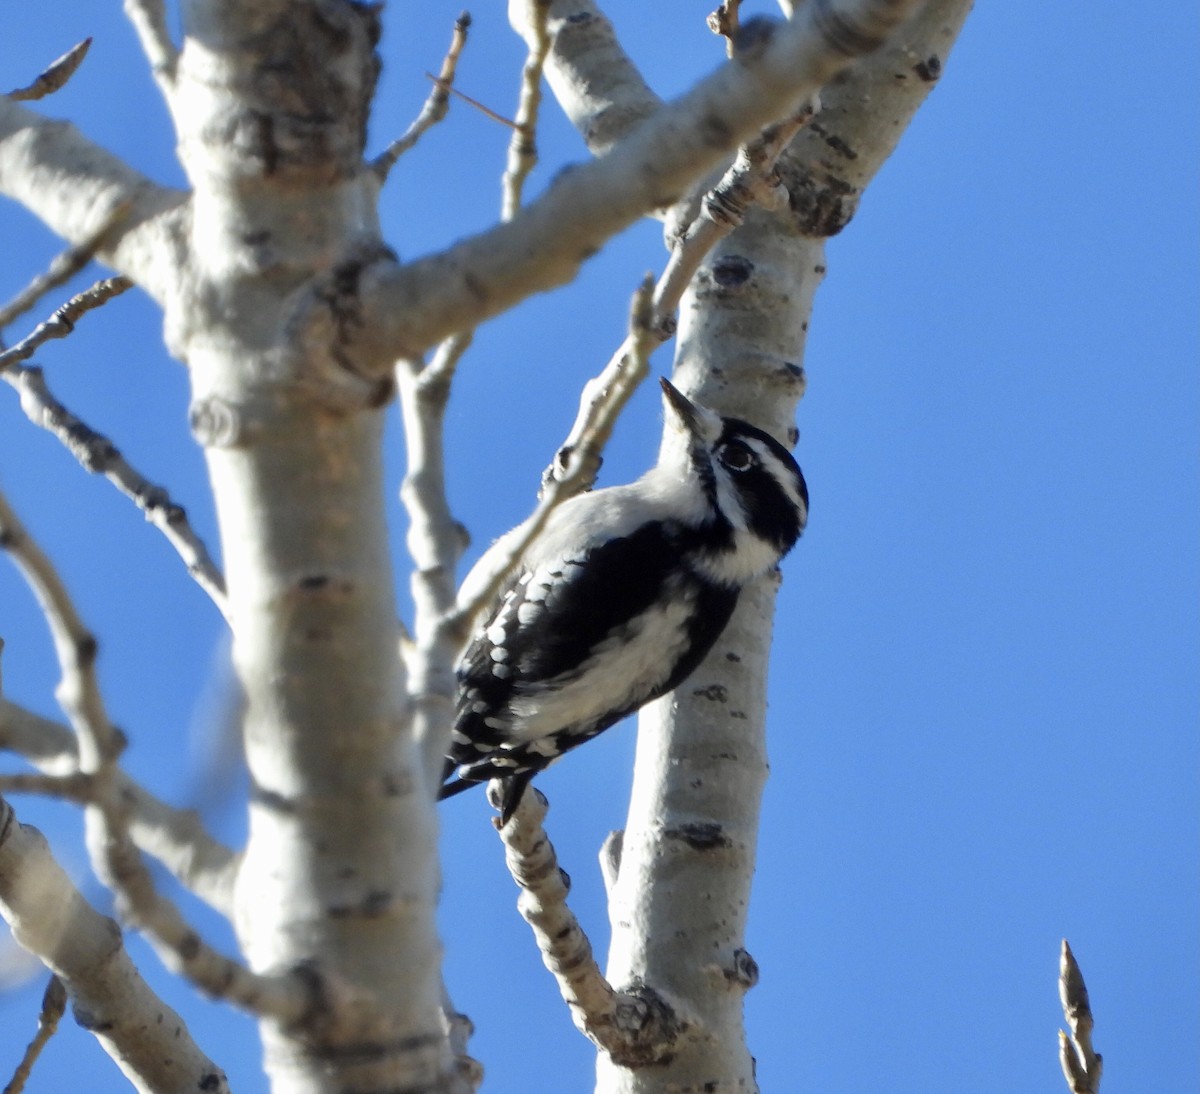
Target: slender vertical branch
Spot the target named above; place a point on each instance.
(149, 19)
(112, 852)
(522, 147)
(436, 105)
(54, 1006)
(1082, 1066)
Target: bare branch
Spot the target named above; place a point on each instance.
(49, 918)
(149, 19)
(436, 105)
(575, 465)
(406, 309)
(1081, 1064)
(62, 322)
(62, 268)
(750, 179)
(95, 452)
(175, 837)
(522, 148)
(98, 455)
(54, 1006)
(54, 76)
(75, 787)
(113, 853)
(724, 21)
(436, 542)
(592, 77)
(635, 1028)
(74, 186)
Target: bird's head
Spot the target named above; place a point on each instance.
(753, 500)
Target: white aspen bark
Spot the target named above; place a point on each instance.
(289, 312)
(339, 877)
(405, 309)
(679, 905)
(75, 187)
(680, 897)
(591, 76)
(148, 1040)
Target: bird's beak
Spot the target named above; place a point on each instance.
(699, 421)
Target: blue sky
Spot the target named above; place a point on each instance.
(984, 699)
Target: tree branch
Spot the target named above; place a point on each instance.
(1082, 1066)
(596, 84)
(149, 19)
(48, 917)
(75, 187)
(405, 309)
(522, 146)
(61, 269)
(175, 837)
(62, 322)
(436, 105)
(701, 752)
(113, 854)
(95, 452)
(636, 1027)
(54, 1005)
(574, 468)
(54, 77)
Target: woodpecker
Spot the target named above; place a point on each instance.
(620, 597)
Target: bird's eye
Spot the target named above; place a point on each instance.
(735, 456)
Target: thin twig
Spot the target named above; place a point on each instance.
(522, 147)
(750, 179)
(175, 837)
(114, 856)
(575, 464)
(74, 787)
(63, 267)
(1081, 1064)
(436, 105)
(149, 19)
(486, 111)
(62, 322)
(634, 1028)
(724, 21)
(94, 451)
(98, 455)
(54, 1006)
(54, 76)
(436, 540)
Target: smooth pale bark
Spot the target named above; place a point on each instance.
(146, 1038)
(339, 876)
(290, 312)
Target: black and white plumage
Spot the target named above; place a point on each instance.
(621, 597)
